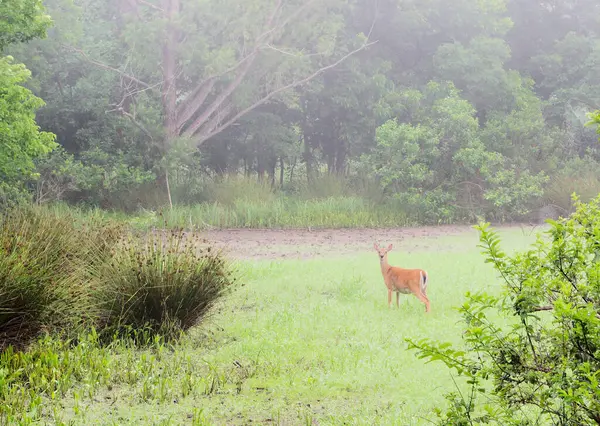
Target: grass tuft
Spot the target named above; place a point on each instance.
(165, 283)
(42, 273)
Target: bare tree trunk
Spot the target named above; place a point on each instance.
(260, 170)
(272, 165)
(169, 89)
(292, 167)
(281, 171)
(168, 189)
(330, 163)
(340, 157)
(308, 158)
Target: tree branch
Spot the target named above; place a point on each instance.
(542, 308)
(187, 102)
(286, 21)
(550, 308)
(281, 89)
(247, 63)
(108, 67)
(135, 122)
(153, 6)
(188, 108)
(198, 122)
(220, 116)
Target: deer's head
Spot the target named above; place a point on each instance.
(382, 252)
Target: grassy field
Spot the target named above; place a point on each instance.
(301, 342)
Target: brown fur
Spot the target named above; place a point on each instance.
(402, 280)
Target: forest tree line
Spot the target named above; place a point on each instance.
(457, 109)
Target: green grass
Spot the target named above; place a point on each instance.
(280, 212)
(335, 212)
(301, 341)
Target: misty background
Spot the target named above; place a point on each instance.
(391, 111)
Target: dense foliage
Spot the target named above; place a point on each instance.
(21, 141)
(531, 354)
(458, 111)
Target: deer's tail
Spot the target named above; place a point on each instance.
(424, 282)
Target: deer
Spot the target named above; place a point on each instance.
(402, 280)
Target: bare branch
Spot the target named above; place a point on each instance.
(108, 67)
(245, 64)
(198, 97)
(282, 89)
(133, 120)
(542, 308)
(287, 20)
(153, 6)
(374, 20)
(296, 55)
(191, 130)
(217, 119)
(193, 99)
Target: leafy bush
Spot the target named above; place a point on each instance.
(532, 353)
(513, 193)
(595, 120)
(21, 140)
(428, 207)
(164, 284)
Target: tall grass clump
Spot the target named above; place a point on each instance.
(229, 190)
(42, 273)
(163, 283)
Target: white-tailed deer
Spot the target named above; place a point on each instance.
(402, 280)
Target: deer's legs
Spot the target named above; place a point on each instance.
(423, 299)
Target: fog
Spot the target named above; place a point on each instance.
(441, 111)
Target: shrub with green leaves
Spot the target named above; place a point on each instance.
(532, 354)
(164, 283)
(595, 120)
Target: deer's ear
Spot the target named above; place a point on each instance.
(375, 246)
(390, 247)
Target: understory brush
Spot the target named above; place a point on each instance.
(61, 273)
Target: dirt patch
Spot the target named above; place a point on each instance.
(304, 243)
